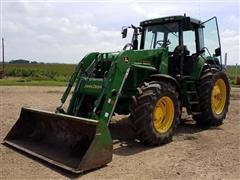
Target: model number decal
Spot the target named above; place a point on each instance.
(93, 86)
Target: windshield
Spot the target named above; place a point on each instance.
(164, 35)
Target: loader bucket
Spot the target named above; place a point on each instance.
(73, 143)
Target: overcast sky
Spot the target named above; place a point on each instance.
(64, 31)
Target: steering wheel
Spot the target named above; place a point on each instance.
(161, 42)
(128, 45)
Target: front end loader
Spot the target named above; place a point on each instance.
(171, 68)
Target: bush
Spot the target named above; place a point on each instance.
(55, 72)
(237, 82)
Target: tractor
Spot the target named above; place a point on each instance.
(171, 63)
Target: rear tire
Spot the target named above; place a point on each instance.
(214, 94)
(155, 112)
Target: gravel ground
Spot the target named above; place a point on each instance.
(194, 153)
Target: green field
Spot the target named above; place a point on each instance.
(52, 74)
(37, 74)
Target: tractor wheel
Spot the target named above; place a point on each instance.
(214, 91)
(155, 112)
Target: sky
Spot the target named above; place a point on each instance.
(65, 31)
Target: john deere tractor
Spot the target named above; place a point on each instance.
(171, 63)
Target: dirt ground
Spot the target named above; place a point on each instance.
(194, 153)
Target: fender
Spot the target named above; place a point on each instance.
(164, 77)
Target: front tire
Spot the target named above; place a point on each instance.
(155, 112)
(214, 94)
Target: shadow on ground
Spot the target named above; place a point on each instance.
(125, 144)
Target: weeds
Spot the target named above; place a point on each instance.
(38, 72)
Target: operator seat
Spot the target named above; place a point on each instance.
(174, 60)
(177, 51)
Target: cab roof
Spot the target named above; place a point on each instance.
(169, 19)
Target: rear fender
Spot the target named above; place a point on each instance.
(164, 77)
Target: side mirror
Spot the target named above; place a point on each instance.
(218, 51)
(124, 32)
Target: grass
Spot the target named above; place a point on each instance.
(37, 74)
(231, 73)
(14, 81)
(54, 74)
(57, 72)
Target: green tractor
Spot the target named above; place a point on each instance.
(171, 63)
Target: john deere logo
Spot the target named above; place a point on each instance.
(125, 58)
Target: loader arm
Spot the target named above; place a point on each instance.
(108, 87)
(79, 70)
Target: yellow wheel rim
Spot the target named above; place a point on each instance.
(163, 114)
(218, 96)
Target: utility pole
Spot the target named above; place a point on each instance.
(2, 72)
(3, 54)
(225, 61)
(236, 73)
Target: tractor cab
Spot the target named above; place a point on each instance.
(185, 38)
(172, 32)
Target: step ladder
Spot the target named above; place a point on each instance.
(190, 91)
